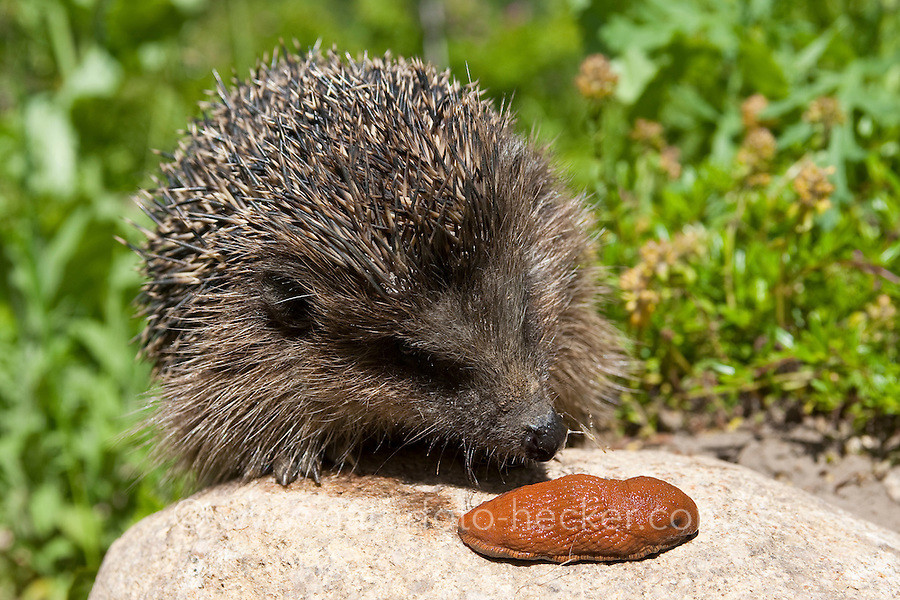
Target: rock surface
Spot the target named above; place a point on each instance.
(393, 535)
(813, 455)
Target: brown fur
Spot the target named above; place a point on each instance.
(347, 250)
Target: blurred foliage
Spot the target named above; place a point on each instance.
(755, 242)
(746, 165)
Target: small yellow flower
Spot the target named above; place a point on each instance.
(750, 109)
(648, 132)
(814, 191)
(596, 79)
(759, 180)
(669, 163)
(640, 302)
(690, 241)
(825, 110)
(657, 257)
(882, 310)
(632, 280)
(813, 187)
(757, 150)
(658, 260)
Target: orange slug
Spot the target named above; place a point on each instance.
(582, 517)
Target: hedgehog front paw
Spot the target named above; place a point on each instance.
(287, 469)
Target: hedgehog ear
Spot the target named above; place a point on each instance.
(286, 302)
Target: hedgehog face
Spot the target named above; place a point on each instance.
(481, 351)
(467, 361)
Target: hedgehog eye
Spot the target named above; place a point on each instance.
(411, 357)
(426, 365)
(286, 302)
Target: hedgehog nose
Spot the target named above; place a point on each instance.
(544, 437)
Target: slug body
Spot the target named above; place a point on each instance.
(582, 517)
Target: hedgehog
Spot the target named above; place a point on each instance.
(363, 250)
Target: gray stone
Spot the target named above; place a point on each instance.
(393, 535)
(892, 485)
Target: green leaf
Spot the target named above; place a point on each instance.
(784, 338)
(98, 74)
(760, 69)
(635, 70)
(45, 506)
(83, 526)
(52, 145)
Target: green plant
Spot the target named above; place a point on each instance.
(755, 196)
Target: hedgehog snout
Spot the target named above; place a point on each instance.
(544, 436)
